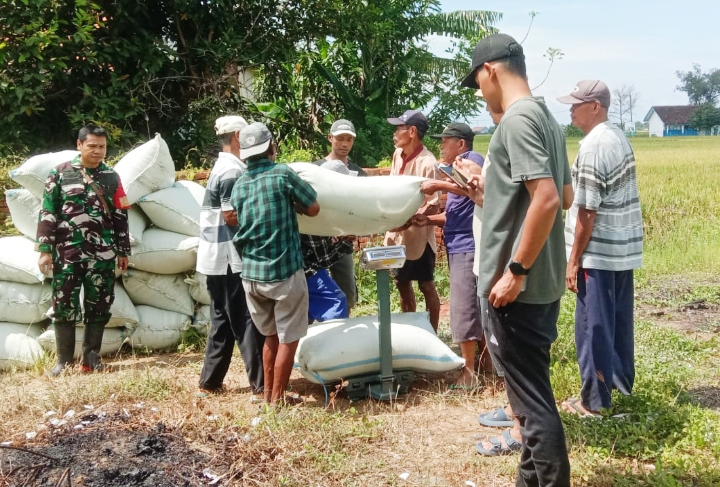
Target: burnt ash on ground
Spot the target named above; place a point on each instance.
(109, 453)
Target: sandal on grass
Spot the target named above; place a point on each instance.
(497, 448)
(574, 406)
(496, 418)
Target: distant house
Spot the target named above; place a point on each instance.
(480, 130)
(668, 121)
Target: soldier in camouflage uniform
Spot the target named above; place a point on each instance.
(82, 229)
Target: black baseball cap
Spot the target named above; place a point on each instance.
(491, 48)
(411, 117)
(459, 130)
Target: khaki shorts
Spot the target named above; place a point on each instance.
(279, 308)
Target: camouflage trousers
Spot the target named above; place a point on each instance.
(96, 278)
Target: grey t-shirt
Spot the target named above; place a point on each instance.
(528, 144)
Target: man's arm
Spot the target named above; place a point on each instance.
(568, 196)
(583, 231)
(539, 220)
(47, 222)
(432, 186)
(428, 220)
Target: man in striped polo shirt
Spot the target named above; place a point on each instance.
(219, 261)
(604, 238)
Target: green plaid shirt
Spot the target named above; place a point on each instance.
(268, 239)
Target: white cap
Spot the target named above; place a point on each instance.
(229, 124)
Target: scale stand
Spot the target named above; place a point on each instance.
(388, 384)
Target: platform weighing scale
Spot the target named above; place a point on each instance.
(388, 384)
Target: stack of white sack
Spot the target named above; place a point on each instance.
(340, 349)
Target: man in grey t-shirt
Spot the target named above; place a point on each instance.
(604, 236)
(522, 269)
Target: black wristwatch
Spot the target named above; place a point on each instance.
(517, 269)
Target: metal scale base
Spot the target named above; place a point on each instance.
(388, 384)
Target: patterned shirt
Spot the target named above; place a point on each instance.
(604, 181)
(216, 250)
(268, 239)
(322, 252)
(73, 223)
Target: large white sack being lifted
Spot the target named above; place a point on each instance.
(339, 349)
(113, 339)
(146, 169)
(24, 210)
(18, 346)
(163, 252)
(159, 329)
(138, 223)
(24, 303)
(33, 173)
(177, 208)
(165, 291)
(19, 261)
(358, 206)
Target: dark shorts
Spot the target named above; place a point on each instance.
(465, 323)
(422, 269)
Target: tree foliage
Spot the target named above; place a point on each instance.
(705, 117)
(623, 101)
(701, 88)
(173, 66)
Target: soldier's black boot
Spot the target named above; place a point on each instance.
(65, 347)
(92, 341)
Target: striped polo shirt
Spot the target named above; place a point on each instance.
(604, 180)
(216, 250)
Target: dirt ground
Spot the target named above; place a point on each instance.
(185, 441)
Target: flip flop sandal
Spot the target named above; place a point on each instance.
(579, 410)
(456, 388)
(497, 449)
(496, 418)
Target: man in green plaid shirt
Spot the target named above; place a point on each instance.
(266, 198)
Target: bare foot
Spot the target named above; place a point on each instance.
(575, 406)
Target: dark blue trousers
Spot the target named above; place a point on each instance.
(604, 335)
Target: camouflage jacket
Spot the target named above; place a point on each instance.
(73, 223)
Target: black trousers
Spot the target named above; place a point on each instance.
(519, 338)
(230, 323)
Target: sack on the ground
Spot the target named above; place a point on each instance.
(24, 303)
(124, 314)
(198, 288)
(163, 252)
(159, 329)
(358, 206)
(165, 291)
(19, 261)
(24, 210)
(201, 321)
(177, 208)
(339, 349)
(33, 173)
(137, 223)
(112, 341)
(146, 169)
(18, 345)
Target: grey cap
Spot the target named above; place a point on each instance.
(254, 139)
(342, 126)
(588, 90)
(491, 48)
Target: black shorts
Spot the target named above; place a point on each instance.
(422, 269)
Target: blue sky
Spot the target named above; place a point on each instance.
(638, 43)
